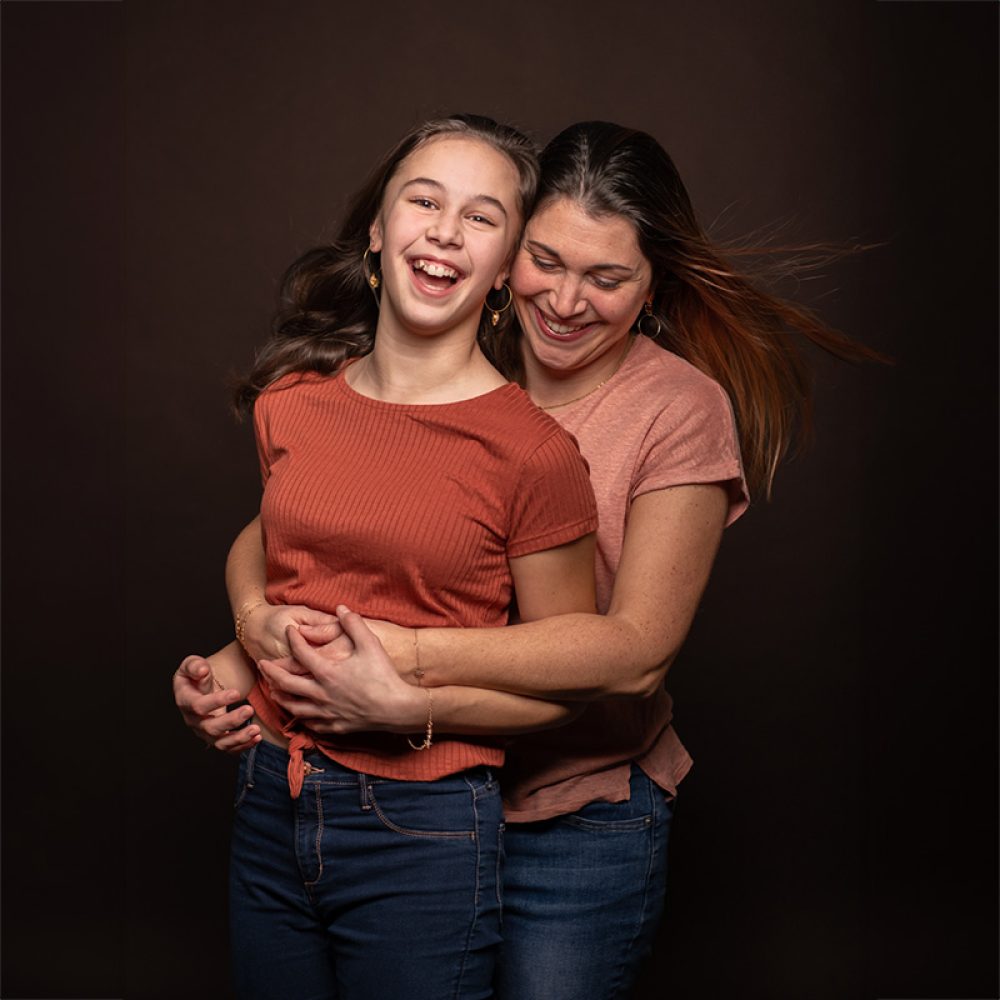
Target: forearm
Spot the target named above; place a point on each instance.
(472, 711)
(246, 568)
(232, 668)
(576, 657)
(671, 540)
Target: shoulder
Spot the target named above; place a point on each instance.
(654, 395)
(664, 380)
(519, 423)
(293, 388)
(303, 381)
(526, 439)
(691, 433)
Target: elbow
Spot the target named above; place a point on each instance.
(645, 678)
(569, 710)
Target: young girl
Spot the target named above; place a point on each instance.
(403, 475)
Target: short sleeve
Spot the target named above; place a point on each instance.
(260, 430)
(553, 499)
(692, 441)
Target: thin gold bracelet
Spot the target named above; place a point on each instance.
(429, 735)
(243, 616)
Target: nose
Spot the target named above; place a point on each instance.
(445, 230)
(568, 298)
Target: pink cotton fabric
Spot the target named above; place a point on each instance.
(658, 422)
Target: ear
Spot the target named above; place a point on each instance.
(375, 236)
(502, 278)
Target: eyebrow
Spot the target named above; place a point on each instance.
(550, 252)
(488, 198)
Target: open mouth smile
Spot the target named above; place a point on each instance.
(435, 275)
(560, 331)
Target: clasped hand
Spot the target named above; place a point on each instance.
(344, 684)
(335, 677)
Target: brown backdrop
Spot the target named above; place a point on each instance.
(164, 160)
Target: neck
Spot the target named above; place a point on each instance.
(551, 388)
(411, 368)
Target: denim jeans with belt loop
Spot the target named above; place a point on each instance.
(363, 886)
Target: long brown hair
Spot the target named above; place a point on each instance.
(707, 311)
(327, 311)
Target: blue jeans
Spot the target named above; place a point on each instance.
(363, 886)
(583, 894)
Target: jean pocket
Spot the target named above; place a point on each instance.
(611, 817)
(442, 809)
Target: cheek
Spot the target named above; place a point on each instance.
(525, 279)
(621, 314)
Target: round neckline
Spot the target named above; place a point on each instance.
(360, 397)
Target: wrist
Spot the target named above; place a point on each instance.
(247, 608)
(407, 712)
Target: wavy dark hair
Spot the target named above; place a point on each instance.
(709, 312)
(327, 312)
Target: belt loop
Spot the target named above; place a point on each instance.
(363, 789)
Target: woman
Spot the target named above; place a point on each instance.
(344, 847)
(612, 252)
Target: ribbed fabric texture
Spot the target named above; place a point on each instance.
(409, 513)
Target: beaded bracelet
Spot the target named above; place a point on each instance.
(243, 615)
(429, 735)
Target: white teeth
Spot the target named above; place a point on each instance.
(435, 270)
(559, 328)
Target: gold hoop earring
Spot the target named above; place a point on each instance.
(648, 314)
(495, 312)
(373, 279)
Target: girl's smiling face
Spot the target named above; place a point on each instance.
(445, 232)
(579, 282)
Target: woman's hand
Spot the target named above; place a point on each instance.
(203, 707)
(399, 643)
(265, 627)
(350, 684)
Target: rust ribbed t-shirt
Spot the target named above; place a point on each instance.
(409, 513)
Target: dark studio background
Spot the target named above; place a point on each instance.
(162, 163)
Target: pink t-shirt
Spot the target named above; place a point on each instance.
(658, 422)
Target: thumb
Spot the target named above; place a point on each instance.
(356, 627)
(301, 650)
(197, 670)
(318, 635)
(308, 616)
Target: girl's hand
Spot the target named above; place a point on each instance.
(265, 627)
(203, 707)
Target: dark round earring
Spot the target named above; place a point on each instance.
(496, 310)
(648, 314)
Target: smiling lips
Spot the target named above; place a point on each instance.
(434, 275)
(559, 331)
